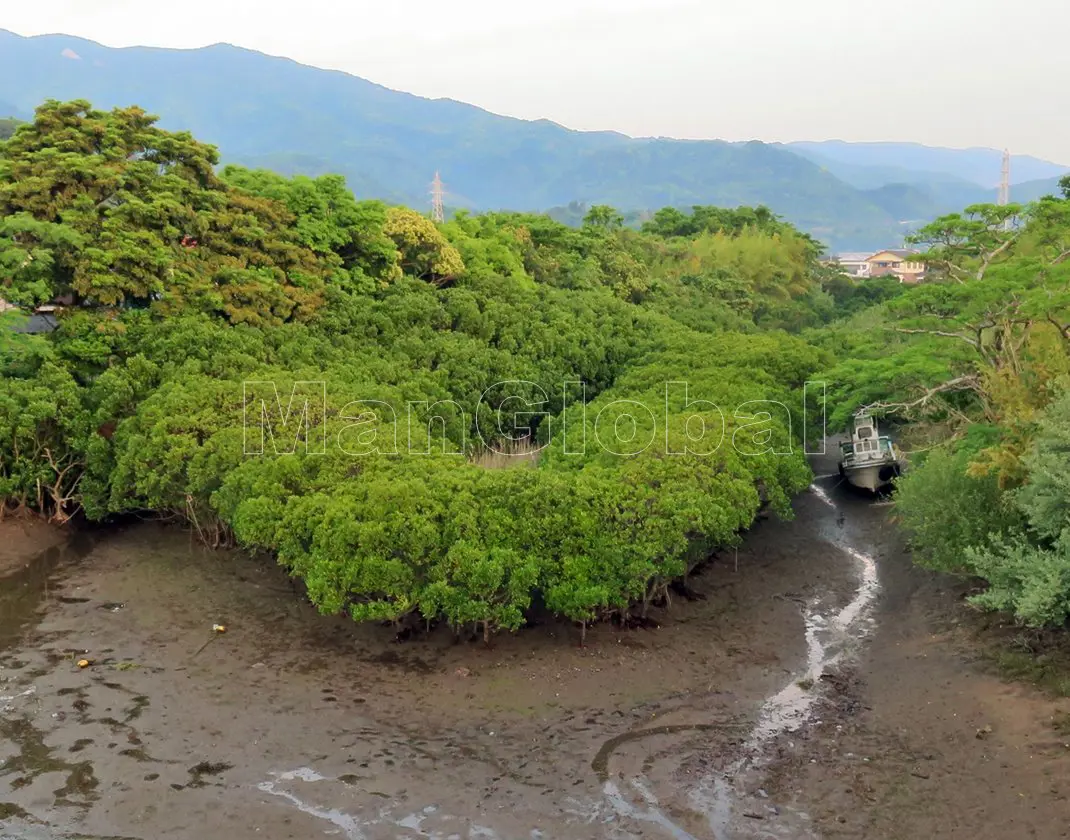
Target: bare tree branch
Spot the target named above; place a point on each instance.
(987, 261)
(969, 382)
(975, 343)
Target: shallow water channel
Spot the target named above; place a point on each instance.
(294, 725)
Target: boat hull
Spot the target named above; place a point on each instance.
(871, 477)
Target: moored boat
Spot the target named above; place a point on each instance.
(869, 460)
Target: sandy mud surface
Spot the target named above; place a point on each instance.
(804, 694)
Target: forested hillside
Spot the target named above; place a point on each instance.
(274, 113)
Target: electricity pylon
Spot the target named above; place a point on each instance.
(438, 194)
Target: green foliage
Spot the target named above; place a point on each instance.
(1029, 571)
(948, 513)
(984, 344)
(853, 296)
(330, 221)
(45, 427)
(603, 217)
(425, 252)
(196, 311)
(108, 211)
(986, 339)
(1046, 497)
(670, 222)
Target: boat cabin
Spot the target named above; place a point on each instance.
(866, 445)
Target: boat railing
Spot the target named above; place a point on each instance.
(860, 452)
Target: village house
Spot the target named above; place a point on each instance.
(43, 320)
(900, 263)
(855, 264)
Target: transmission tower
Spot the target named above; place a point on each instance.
(1005, 181)
(438, 193)
(1005, 187)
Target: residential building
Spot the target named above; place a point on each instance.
(900, 263)
(43, 319)
(854, 264)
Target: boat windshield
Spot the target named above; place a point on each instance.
(867, 450)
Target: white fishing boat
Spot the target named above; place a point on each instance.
(869, 460)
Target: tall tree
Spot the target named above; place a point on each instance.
(108, 211)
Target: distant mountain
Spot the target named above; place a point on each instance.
(7, 127)
(1032, 190)
(909, 195)
(905, 202)
(909, 161)
(873, 175)
(273, 112)
(8, 110)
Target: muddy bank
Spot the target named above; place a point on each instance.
(922, 738)
(310, 724)
(734, 719)
(22, 539)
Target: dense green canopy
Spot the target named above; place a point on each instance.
(279, 364)
(978, 360)
(109, 211)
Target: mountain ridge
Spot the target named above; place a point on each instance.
(275, 112)
(978, 165)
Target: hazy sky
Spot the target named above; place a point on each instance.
(942, 72)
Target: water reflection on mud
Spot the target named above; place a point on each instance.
(24, 592)
(296, 725)
(721, 795)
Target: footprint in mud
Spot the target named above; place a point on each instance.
(199, 772)
(140, 703)
(600, 764)
(80, 745)
(412, 664)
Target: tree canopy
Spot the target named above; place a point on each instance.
(977, 360)
(281, 365)
(108, 211)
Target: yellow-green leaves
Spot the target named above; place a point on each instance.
(425, 252)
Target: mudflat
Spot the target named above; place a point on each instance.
(776, 697)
